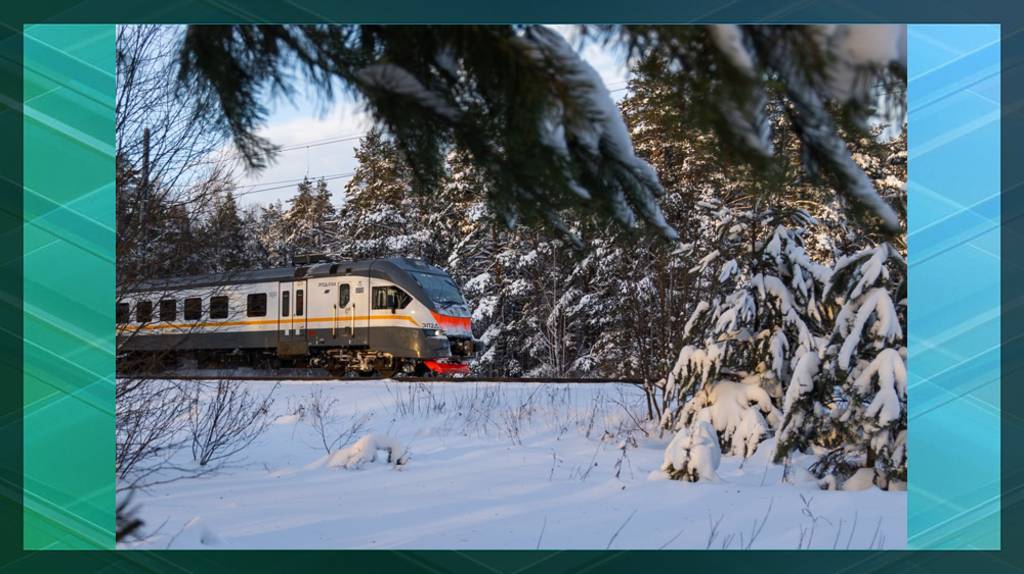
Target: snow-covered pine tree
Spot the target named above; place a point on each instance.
(257, 255)
(474, 263)
(223, 237)
(383, 216)
(636, 293)
(867, 363)
(759, 328)
(811, 405)
(270, 231)
(309, 223)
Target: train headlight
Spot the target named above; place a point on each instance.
(438, 333)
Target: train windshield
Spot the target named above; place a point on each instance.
(440, 288)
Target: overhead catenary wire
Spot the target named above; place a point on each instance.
(284, 184)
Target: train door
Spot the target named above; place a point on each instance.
(291, 323)
(359, 311)
(341, 308)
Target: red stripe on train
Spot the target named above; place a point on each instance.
(447, 368)
(449, 322)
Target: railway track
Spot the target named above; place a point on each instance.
(323, 376)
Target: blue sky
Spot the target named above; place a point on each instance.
(321, 142)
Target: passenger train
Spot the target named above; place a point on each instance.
(384, 316)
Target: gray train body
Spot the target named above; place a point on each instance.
(370, 315)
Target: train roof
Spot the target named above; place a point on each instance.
(386, 268)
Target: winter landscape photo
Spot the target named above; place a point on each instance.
(511, 287)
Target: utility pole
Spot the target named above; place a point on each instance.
(144, 192)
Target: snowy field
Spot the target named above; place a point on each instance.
(483, 465)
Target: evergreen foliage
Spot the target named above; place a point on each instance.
(570, 149)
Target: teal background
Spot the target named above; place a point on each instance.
(1010, 203)
(954, 257)
(69, 283)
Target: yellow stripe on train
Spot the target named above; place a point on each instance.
(342, 322)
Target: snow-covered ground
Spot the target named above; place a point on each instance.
(510, 466)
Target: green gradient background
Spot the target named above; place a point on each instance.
(83, 520)
(69, 284)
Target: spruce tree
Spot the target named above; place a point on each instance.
(309, 222)
(223, 237)
(383, 216)
(867, 363)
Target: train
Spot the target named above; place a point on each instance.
(375, 316)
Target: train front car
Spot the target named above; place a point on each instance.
(449, 318)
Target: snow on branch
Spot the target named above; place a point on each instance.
(748, 119)
(886, 327)
(891, 373)
(396, 80)
(587, 120)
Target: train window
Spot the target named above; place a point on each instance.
(343, 295)
(168, 309)
(390, 298)
(123, 313)
(256, 305)
(298, 302)
(144, 311)
(286, 303)
(193, 309)
(219, 307)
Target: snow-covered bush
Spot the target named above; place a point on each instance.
(694, 454)
(740, 413)
(366, 449)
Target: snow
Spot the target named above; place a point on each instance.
(700, 309)
(863, 479)
(693, 361)
(365, 451)
(513, 466)
(728, 270)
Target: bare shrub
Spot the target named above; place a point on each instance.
(150, 416)
(126, 520)
(224, 419)
(324, 421)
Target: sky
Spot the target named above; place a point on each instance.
(321, 142)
